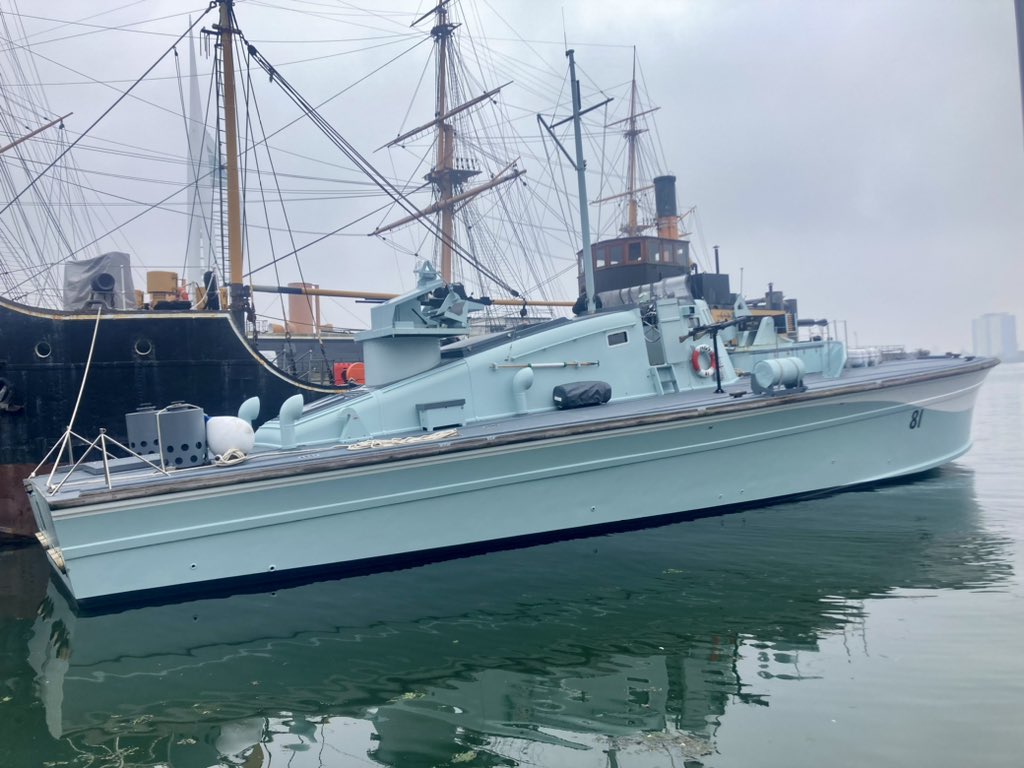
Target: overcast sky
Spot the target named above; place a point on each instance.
(866, 157)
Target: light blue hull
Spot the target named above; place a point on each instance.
(490, 494)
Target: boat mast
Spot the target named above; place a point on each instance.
(236, 291)
(441, 176)
(631, 137)
(581, 180)
(449, 174)
(632, 133)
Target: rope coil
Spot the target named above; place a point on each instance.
(229, 458)
(392, 442)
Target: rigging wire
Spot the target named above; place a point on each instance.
(48, 196)
(361, 162)
(101, 117)
(69, 256)
(542, 188)
(192, 165)
(284, 213)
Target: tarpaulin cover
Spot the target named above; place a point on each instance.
(581, 393)
(669, 288)
(78, 277)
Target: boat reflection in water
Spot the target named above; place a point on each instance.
(616, 649)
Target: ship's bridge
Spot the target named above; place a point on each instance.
(630, 261)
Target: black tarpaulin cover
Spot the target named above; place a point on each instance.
(581, 393)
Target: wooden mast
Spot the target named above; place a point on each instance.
(442, 173)
(236, 291)
(449, 173)
(632, 134)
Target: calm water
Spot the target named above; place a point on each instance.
(881, 627)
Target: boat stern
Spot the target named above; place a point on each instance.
(46, 533)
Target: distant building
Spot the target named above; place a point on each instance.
(995, 335)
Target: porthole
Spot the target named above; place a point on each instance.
(43, 350)
(143, 347)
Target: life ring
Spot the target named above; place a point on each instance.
(695, 360)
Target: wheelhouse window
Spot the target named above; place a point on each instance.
(640, 250)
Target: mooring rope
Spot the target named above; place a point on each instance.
(65, 439)
(229, 458)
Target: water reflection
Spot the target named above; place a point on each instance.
(616, 650)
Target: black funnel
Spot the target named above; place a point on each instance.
(665, 196)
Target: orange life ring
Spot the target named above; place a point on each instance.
(695, 360)
(355, 374)
(339, 373)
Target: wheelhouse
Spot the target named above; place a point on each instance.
(630, 261)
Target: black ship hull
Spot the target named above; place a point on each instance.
(139, 358)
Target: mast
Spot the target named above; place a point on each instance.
(450, 173)
(581, 179)
(236, 291)
(631, 135)
(442, 177)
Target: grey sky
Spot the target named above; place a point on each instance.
(867, 157)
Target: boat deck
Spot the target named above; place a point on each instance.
(131, 478)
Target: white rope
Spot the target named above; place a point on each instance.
(392, 442)
(229, 457)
